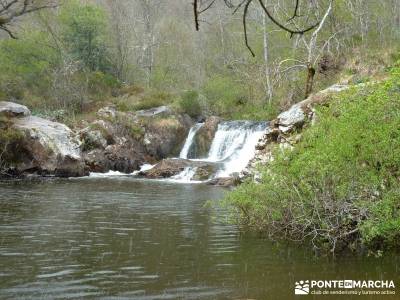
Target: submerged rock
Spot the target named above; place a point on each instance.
(225, 181)
(170, 167)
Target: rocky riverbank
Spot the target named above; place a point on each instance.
(117, 141)
(124, 141)
(286, 130)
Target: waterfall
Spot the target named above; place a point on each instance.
(234, 145)
(189, 140)
(232, 148)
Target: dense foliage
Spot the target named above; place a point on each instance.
(340, 187)
(63, 67)
(76, 58)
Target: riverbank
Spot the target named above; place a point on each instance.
(113, 141)
(335, 186)
(156, 143)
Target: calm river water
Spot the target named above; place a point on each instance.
(124, 238)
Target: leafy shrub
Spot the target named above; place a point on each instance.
(339, 187)
(25, 64)
(189, 104)
(382, 228)
(224, 96)
(102, 83)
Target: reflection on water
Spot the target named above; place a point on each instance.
(124, 238)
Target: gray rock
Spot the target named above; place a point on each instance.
(336, 88)
(10, 109)
(155, 111)
(171, 167)
(165, 136)
(92, 138)
(51, 147)
(224, 181)
(55, 136)
(204, 138)
(107, 112)
(293, 117)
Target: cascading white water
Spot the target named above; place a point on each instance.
(234, 145)
(189, 140)
(231, 150)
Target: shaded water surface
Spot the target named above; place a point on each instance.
(124, 238)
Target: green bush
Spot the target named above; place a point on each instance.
(26, 64)
(382, 228)
(224, 95)
(102, 83)
(340, 186)
(189, 104)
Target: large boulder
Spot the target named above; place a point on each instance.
(113, 144)
(204, 137)
(292, 118)
(11, 110)
(225, 181)
(172, 167)
(145, 136)
(48, 148)
(115, 158)
(165, 135)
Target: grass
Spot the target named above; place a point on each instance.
(340, 187)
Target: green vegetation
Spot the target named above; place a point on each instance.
(84, 33)
(63, 67)
(137, 99)
(340, 186)
(189, 104)
(140, 54)
(9, 139)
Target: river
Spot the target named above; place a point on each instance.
(126, 238)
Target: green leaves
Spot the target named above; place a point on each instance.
(84, 32)
(342, 177)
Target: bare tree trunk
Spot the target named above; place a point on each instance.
(222, 34)
(312, 47)
(268, 86)
(149, 39)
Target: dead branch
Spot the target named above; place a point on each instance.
(10, 10)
